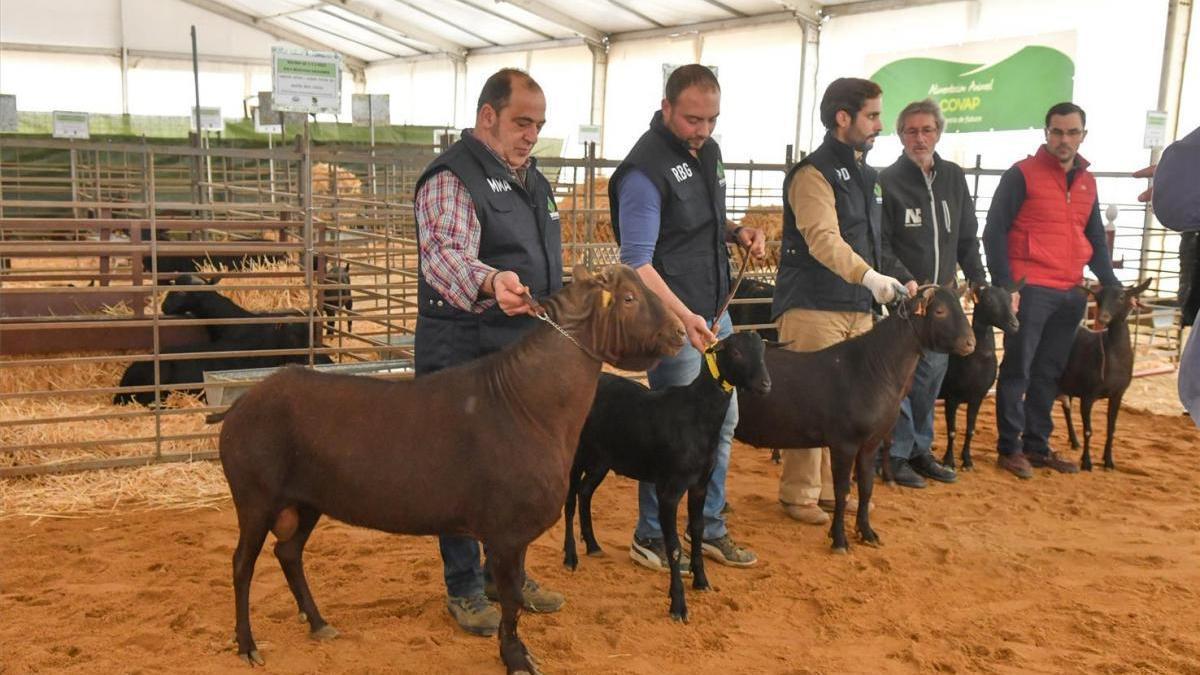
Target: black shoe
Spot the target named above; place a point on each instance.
(904, 474)
(1050, 460)
(929, 467)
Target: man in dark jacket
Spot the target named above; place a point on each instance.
(489, 234)
(1043, 225)
(668, 212)
(827, 281)
(929, 227)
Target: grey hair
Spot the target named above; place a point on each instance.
(927, 106)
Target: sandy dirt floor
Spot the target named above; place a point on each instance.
(1094, 573)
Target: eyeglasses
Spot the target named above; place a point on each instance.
(1069, 133)
(913, 132)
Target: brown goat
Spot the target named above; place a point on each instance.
(481, 450)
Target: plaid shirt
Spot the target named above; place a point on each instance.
(448, 230)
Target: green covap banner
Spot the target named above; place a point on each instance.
(983, 86)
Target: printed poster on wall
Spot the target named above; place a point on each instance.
(981, 86)
(306, 81)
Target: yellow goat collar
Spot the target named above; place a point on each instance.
(710, 358)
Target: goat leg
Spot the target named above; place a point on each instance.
(842, 458)
(591, 481)
(950, 408)
(866, 480)
(250, 542)
(508, 568)
(1085, 415)
(1066, 409)
(972, 413)
(570, 556)
(668, 508)
(696, 496)
(289, 551)
(1114, 408)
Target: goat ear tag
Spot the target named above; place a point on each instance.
(605, 298)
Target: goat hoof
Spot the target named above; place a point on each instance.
(679, 617)
(598, 553)
(1110, 467)
(324, 633)
(253, 658)
(841, 550)
(968, 467)
(303, 617)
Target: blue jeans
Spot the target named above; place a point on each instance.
(1034, 358)
(460, 566)
(679, 370)
(913, 433)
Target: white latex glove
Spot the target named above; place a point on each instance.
(884, 288)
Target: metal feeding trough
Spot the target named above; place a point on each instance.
(223, 387)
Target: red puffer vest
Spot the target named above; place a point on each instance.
(1046, 244)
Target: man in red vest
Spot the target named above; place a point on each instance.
(1043, 226)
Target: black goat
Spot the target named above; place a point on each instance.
(195, 299)
(754, 313)
(968, 378)
(847, 396)
(668, 437)
(191, 371)
(1100, 366)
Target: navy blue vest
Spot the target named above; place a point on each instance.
(804, 282)
(519, 232)
(690, 253)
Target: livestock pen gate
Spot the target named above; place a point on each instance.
(80, 289)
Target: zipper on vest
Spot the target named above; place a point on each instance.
(937, 262)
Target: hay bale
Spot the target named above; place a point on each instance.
(769, 219)
(330, 179)
(573, 214)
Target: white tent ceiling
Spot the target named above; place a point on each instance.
(374, 31)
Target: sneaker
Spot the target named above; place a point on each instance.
(726, 551)
(810, 514)
(925, 465)
(533, 597)
(1050, 460)
(904, 475)
(652, 553)
(475, 614)
(1016, 464)
(829, 505)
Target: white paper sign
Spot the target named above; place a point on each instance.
(8, 112)
(210, 119)
(1156, 129)
(306, 81)
(368, 108)
(70, 124)
(589, 133)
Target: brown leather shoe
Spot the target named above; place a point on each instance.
(809, 514)
(1016, 464)
(1051, 460)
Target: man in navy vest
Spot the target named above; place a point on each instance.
(668, 212)
(1043, 226)
(827, 279)
(489, 232)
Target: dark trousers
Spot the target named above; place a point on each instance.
(442, 342)
(1034, 359)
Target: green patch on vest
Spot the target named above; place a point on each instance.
(550, 205)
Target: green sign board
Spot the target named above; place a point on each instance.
(1013, 93)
